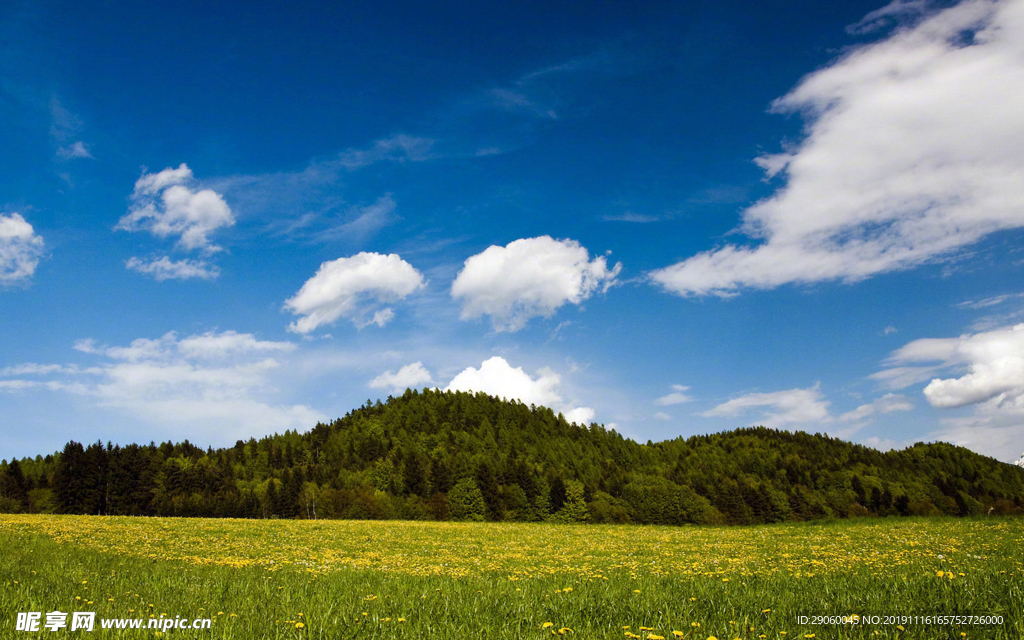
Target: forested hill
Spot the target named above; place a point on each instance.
(438, 455)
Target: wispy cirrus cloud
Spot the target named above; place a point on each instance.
(991, 301)
(716, 195)
(77, 149)
(888, 403)
(629, 216)
(212, 386)
(678, 396)
(65, 127)
(778, 408)
(803, 406)
(363, 222)
(396, 148)
(317, 203)
(888, 16)
(164, 268)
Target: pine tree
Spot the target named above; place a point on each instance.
(466, 501)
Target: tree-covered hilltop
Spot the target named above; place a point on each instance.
(453, 455)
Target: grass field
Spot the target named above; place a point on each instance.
(344, 579)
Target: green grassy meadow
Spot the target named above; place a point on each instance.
(372, 579)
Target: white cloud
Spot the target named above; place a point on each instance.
(984, 371)
(397, 148)
(214, 385)
(411, 376)
(661, 415)
(164, 268)
(354, 288)
(579, 415)
(806, 406)
(992, 434)
(20, 249)
(204, 346)
(228, 343)
(993, 360)
(17, 385)
(527, 278)
(886, 404)
(678, 396)
(903, 377)
(498, 378)
(165, 205)
(75, 150)
(912, 152)
(36, 369)
(882, 444)
(793, 406)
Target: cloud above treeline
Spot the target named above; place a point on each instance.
(981, 368)
(411, 376)
(982, 372)
(217, 383)
(497, 377)
(803, 406)
(911, 153)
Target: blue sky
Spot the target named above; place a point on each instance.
(221, 222)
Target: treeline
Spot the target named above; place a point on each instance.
(453, 455)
